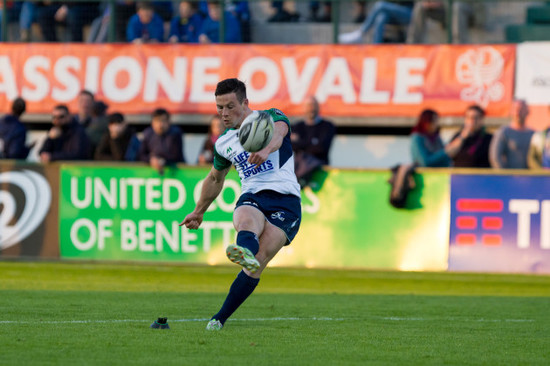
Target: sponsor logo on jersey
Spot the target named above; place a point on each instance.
(252, 170)
(279, 215)
(278, 112)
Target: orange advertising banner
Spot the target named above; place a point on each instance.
(352, 81)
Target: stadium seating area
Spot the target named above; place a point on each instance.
(495, 22)
(536, 26)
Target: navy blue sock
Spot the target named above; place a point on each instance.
(248, 240)
(239, 291)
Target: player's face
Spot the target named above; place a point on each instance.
(231, 111)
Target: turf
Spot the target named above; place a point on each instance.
(99, 314)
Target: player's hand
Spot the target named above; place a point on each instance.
(259, 157)
(192, 221)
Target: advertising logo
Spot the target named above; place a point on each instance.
(475, 214)
(481, 69)
(500, 223)
(15, 227)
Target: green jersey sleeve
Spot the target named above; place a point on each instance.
(220, 163)
(278, 116)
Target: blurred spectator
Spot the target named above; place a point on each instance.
(26, 18)
(13, 9)
(145, 26)
(311, 140)
(538, 156)
(98, 125)
(85, 105)
(360, 11)
(282, 13)
(241, 11)
(463, 17)
(13, 133)
(382, 13)
(427, 148)
(75, 15)
(510, 144)
(474, 150)
(67, 139)
(185, 27)
(214, 131)
(100, 26)
(325, 16)
(210, 31)
(119, 142)
(162, 143)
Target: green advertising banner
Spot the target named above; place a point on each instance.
(132, 213)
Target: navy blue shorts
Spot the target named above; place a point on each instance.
(282, 210)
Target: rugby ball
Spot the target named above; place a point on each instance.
(256, 131)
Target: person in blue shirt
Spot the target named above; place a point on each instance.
(210, 32)
(13, 133)
(145, 26)
(427, 148)
(186, 26)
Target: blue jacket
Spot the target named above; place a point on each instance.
(187, 30)
(13, 135)
(168, 146)
(73, 144)
(153, 30)
(211, 29)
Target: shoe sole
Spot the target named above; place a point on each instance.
(236, 255)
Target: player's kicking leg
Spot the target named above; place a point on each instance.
(271, 241)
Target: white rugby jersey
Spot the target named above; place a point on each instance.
(276, 173)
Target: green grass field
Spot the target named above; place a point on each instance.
(99, 314)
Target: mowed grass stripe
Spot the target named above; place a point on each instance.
(174, 278)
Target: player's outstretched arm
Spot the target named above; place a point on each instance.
(279, 133)
(211, 188)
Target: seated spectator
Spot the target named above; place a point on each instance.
(85, 106)
(215, 129)
(145, 26)
(474, 149)
(162, 143)
(75, 15)
(100, 26)
(98, 125)
(13, 9)
(13, 133)
(539, 150)
(311, 140)
(382, 13)
(325, 16)
(284, 11)
(119, 142)
(510, 144)
(241, 11)
(360, 11)
(67, 139)
(210, 31)
(463, 17)
(427, 148)
(186, 26)
(27, 17)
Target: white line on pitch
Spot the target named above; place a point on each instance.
(90, 321)
(392, 318)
